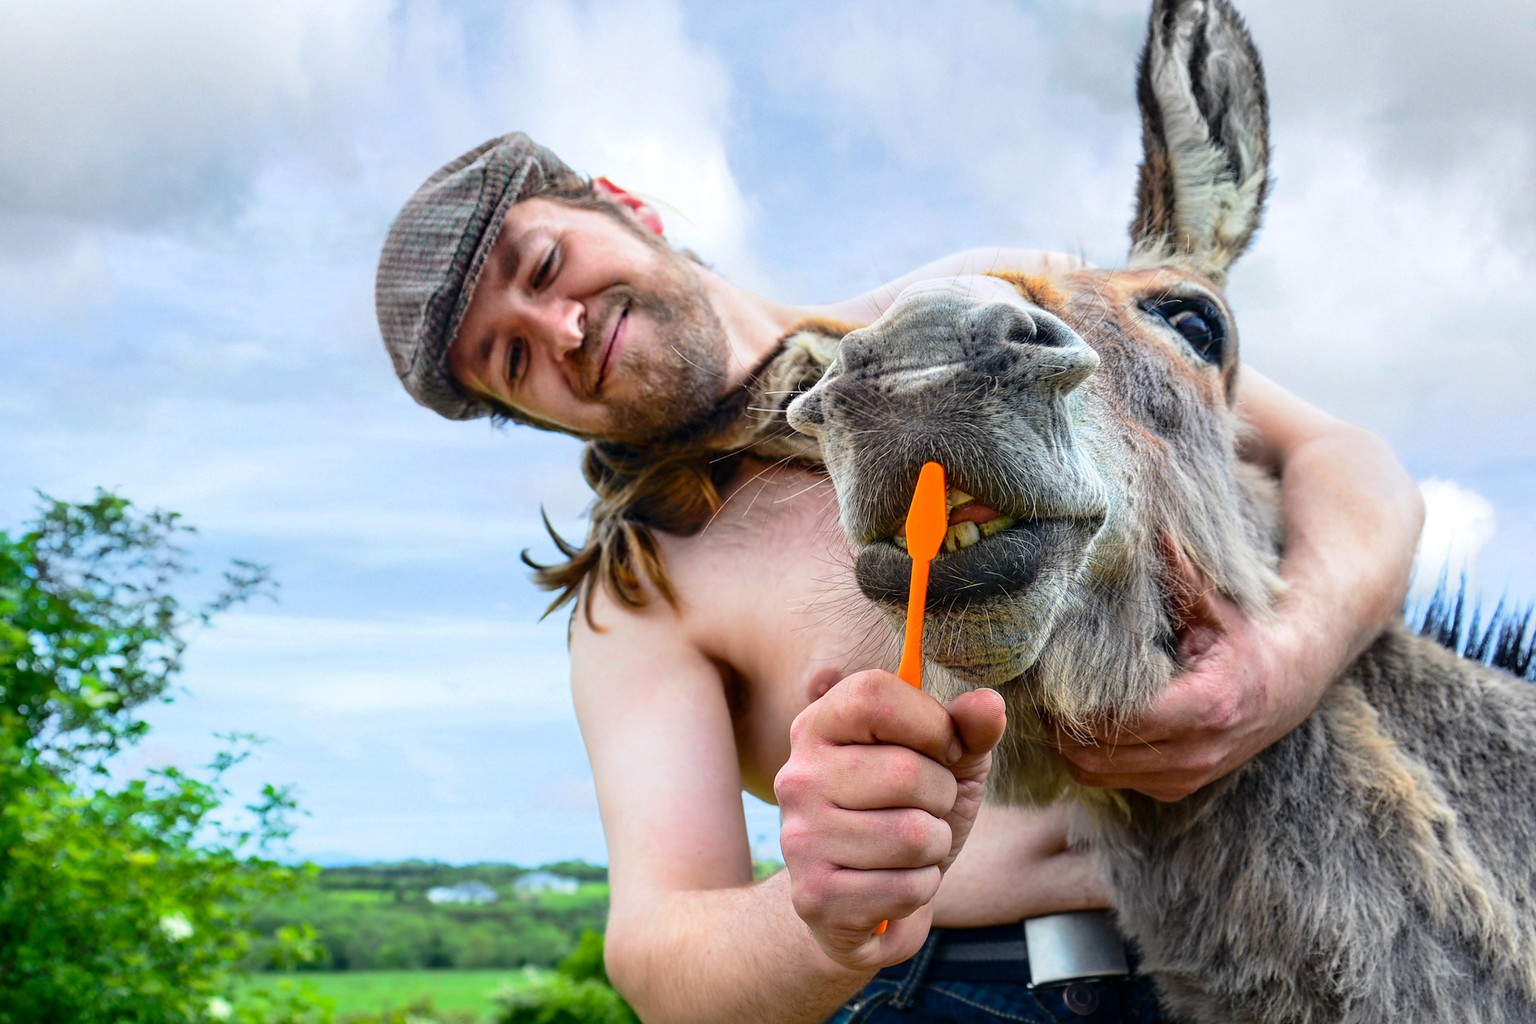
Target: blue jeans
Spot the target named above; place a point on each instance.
(904, 994)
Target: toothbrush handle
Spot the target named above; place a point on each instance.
(911, 669)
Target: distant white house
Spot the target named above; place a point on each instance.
(477, 893)
(544, 881)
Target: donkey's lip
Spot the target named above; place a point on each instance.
(1008, 562)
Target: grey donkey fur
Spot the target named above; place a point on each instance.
(1376, 864)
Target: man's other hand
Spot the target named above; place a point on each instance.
(1247, 684)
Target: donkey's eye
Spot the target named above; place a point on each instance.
(1197, 321)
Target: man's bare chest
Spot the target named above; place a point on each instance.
(768, 595)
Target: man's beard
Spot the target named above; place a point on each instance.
(678, 383)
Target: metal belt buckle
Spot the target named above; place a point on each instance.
(1079, 944)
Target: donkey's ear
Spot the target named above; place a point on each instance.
(1205, 132)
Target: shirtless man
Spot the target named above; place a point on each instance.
(718, 643)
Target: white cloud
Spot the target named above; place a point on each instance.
(1392, 301)
(46, 267)
(165, 110)
(1458, 524)
(1433, 91)
(570, 793)
(974, 91)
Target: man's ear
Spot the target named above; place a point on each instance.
(644, 212)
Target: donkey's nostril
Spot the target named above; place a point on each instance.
(1021, 333)
(1052, 333)
(1004, 323)
(804, 413)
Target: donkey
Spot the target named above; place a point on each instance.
(1378, 864)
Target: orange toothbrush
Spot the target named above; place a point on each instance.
(927, 522)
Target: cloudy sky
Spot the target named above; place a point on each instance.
(192, 197)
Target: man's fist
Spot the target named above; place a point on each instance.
(879, 793)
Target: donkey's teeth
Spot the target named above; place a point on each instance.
(998, 525)
(961, 535)
(957, 498)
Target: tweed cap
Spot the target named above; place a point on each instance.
(435, 251)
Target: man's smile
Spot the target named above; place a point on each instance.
(617, 336)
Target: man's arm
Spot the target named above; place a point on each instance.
(690, 937)
(1352, 517)
(984, 260)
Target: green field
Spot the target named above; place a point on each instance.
(362, 896)
(356, 991)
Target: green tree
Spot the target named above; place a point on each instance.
(121, 900)
(577, 869)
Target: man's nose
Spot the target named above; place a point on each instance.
(561, 321)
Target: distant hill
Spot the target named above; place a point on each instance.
(411, 875)
(378, 916)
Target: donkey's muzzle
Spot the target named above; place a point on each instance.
(963, 372)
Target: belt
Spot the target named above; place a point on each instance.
(1049, 950)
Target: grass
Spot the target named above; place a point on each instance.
(357, 991)
(361, 895)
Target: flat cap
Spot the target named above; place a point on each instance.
(435, 251)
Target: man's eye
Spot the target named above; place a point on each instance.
(514, 361)
(1197, 321)
(545, 271)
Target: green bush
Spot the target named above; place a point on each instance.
(557, 999)
(579, 993)
(586, 961)
(121, 899)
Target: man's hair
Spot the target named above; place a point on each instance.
(675, 485)
(637, 492)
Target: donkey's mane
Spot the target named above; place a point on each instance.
(1506, 640)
